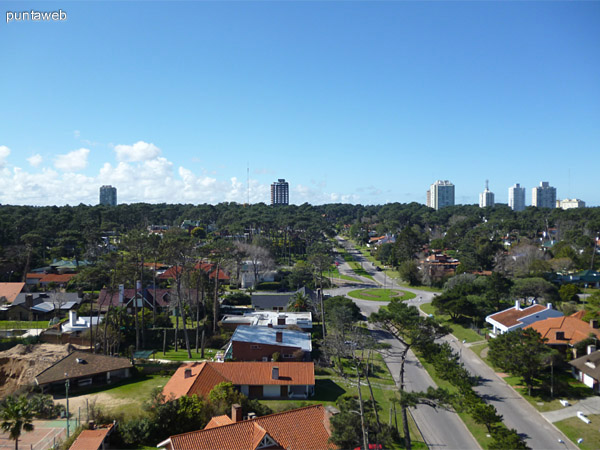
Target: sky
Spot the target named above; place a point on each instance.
(349, 101)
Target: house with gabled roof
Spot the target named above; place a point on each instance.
(517, 317)
(94, 439)
(305, 428)
(260, 343)
(564, 332)
(125, 298)
(9, 292)
(253, 379)
(84, 369)
(587, 368)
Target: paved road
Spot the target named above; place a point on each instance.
(588, 406)
(517, 412)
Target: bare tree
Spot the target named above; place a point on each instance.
(259, 259)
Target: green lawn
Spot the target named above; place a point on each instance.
(380, 295)
(22, 324)
(460, 332)
(182, 355)
(576, 428)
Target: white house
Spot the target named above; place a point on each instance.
(516, 317)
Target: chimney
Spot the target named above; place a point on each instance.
(560, 335)
(270, 325)
(591, 349)
(138, 285)
(236, 412)
(121, 293)
(72, 318)
(549, 306)
(594, 323)
(279, 336)
(281, 320)
(29, 300)
(275, 373)
(187, 373)
(517, 305)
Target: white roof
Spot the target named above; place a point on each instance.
(266, 335)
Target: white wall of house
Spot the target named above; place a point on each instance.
(588, 381)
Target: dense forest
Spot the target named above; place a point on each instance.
(30, 236)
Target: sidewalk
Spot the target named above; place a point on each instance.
(588, 406)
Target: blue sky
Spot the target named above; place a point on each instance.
(362, 102)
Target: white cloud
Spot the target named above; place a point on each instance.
(72, 161)
(35, 160)
(140, 151)
(156, 180)
(4, 152)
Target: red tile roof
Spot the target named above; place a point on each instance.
(510, 317)
(298, 429)
(208, 268)
(57, 278)
(218, 421)
(574, 330)
(91, 439)
(10, 291)
(205, 376)
(35, 276)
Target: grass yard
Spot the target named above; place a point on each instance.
(22, 324)
(461, 333)
(575, 428)
(182, 354)
(380, 295)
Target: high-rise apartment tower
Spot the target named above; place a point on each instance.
(486, 198)
(516, 197)
(440, 194)
(543, 196)
(108, 195)
(280, 192)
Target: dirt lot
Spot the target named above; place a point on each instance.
(20, 364)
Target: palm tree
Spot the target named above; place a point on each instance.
(16, 415)
(299, 302)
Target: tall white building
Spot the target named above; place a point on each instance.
(486, 198)
(108, 195)
(440, 194)
(544, 195)
(516, 197)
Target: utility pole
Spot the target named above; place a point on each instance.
(67, 397)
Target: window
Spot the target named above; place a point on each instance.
(255, 347)
(288, 356)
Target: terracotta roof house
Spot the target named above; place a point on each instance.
(587, 368)
(566, 331)
(253, 379)
(84, 369)
(9, 291)
(272, 319)
(299, 429)
(60, 280)
(259, 344)
(34, 278)
(92, 439)
(517, 317)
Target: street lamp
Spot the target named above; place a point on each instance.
(67, 396)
